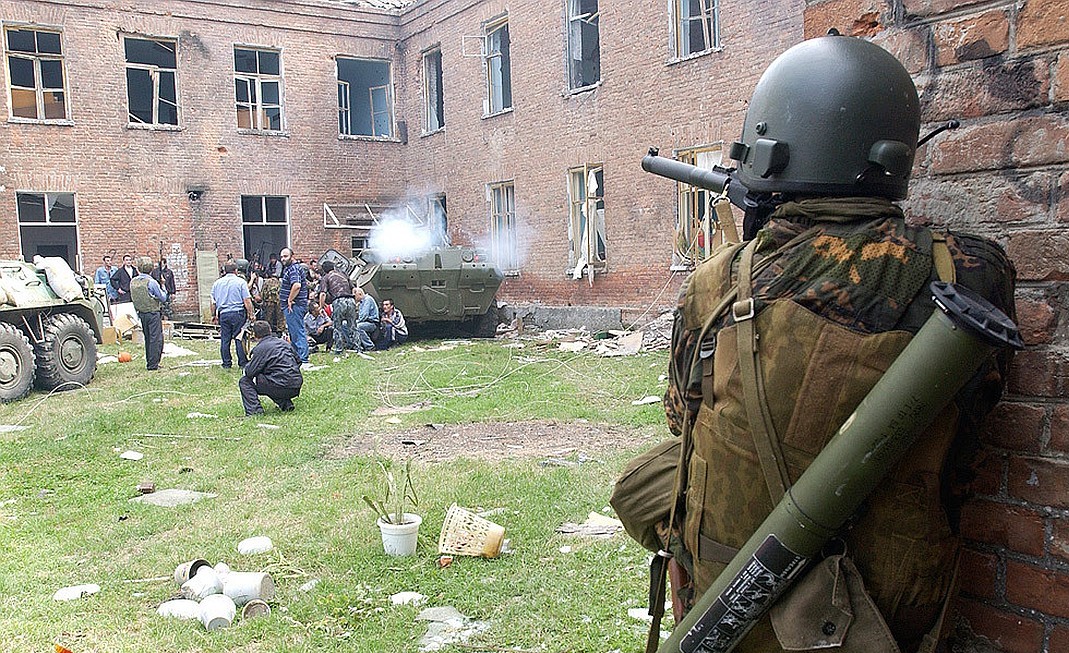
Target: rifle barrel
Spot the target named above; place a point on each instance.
(685, 173)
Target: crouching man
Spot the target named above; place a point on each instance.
(272, 370)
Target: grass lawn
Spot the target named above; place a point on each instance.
(66, 519)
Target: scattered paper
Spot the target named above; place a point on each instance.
(595, 526)
(75, 592)
(574, 346)
(179, 609)
(314, 368)
(130, 454)
(103, 360)
(393, 420)
(270, 427)
(565, 549)
(196, 415)
(11, 428)
(445, 626)
(650, 399)
(367, 357)
(405, 598)
(309, 586)
(171, 350)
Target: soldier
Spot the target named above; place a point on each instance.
(147, 297)
(776, 341)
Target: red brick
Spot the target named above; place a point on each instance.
(996, 87)
(1018, 529)
(1035, 320)
(1042, 22)
(1039, 589)
(1059, 429)
(1036, 140)
(1059, 640)
(850, 17)
(1040, 255)
(1061, 193)
(1042, 481)
(929, 7)
(1039, 373)
(1015, 426)
(1011, 633)
(977, 574)
(1061, 79)
(909, 46)
(988, 467)
(976, 37)
(1059, 545)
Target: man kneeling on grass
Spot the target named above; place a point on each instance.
(272, 370)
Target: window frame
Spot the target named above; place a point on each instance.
(582, 205)
(391, 103)
(154, 76)
(503, 226)
(257, 107)
(263, 215)
(490, 28)
(39, 89)
(680, 44)
(48, 222)
(693, 212)
(570, 20)
(433, 106)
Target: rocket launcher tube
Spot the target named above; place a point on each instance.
(936, 364)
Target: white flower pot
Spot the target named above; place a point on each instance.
(400, 539)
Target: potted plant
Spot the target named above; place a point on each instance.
(399, 528)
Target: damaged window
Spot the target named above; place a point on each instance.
(151, 86)
(586, 220)
(498, 68)
(696, 228)
(696, 25)
(48, 226)
(258, 89)
(433, 97)
(365, 101)
(35, 75)
(438, 219)
(584, 47)
(265, 224)
(503, 237)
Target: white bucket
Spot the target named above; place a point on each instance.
(203, 585)
(245, 586)
(187, 570)
(255, 608)
(217, 611)
(400, 539)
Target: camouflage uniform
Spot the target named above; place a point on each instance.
(841, 288)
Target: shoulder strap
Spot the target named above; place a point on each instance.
(765, 439)
(941, 258)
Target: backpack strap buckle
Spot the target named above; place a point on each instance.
(743, 310)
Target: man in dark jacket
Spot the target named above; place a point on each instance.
(272, 370)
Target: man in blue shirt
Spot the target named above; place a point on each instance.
(102, 277)
(147, 297)
(231, 307)
(293, 296)
(367, 319)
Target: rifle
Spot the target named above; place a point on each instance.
(757, 207)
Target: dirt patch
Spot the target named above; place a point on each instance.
(495, 441)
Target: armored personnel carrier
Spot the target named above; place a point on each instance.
(45, 340)
(447, 285)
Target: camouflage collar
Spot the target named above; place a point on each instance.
(839, 209)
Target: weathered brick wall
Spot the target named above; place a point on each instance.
(642, 101)
(131, 184)
(1002, 69)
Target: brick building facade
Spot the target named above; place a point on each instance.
(520, 158)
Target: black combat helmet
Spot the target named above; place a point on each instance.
(835, 115)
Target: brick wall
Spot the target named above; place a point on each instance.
(1002, 69)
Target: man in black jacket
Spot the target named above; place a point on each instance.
(272, 370)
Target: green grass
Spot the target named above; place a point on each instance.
(65, 517)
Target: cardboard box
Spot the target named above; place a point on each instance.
(110, 335)
(137, 336)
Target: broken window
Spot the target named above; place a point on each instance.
(584, 47)
(438, 219)
(498, 68)
(35, 75)
(364, 97)
(433, 97)
(264, 225)
(48, 226)
(696, 227)
(503, 237)
(696, 26)
(258, 89)
(151, 87)
(586, 219)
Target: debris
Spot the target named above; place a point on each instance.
(11, 428)
(75, 592)
(202, 585)
(146, 487)
(393, 420)
(446, 625)
(465, 533)
(245, 586)
(337, 359)
(103, 360)
(595, 526)
(557, 462)
(183, 437)
(573, 346)
(663, 377)
(444, 561)
(309, 586)
(402, 410)
(641, 614)
(270, 427)
(153, 579)
(513, 345)
(203, 362)
(657, 334)
(172, 497)
(565, 549)
(255, 608)
(196, 415)
(254, 545)
(171, 350)
(130, 454)
(217, 611)
(650, 399)
(369, 357)
(62, 649)
(623, 346)
(442, 347)
(405, 598)
(179, 609)
(315, 368)
(413, 443)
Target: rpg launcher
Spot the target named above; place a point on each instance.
(757, 207)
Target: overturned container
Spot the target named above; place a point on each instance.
(468, 534)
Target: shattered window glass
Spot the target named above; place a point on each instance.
(367, 98)
(584, 46)
(151, 81)
(498, 68)
(434, 98)
(586, 219)
(697, 26)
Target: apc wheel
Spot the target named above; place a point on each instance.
(16, 364)
(68, 354)
(485, 325)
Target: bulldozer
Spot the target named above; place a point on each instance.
(46, 340)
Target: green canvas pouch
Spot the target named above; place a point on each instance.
(642, 496)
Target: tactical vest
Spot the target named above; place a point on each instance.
(143, 301)
(813, 367)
